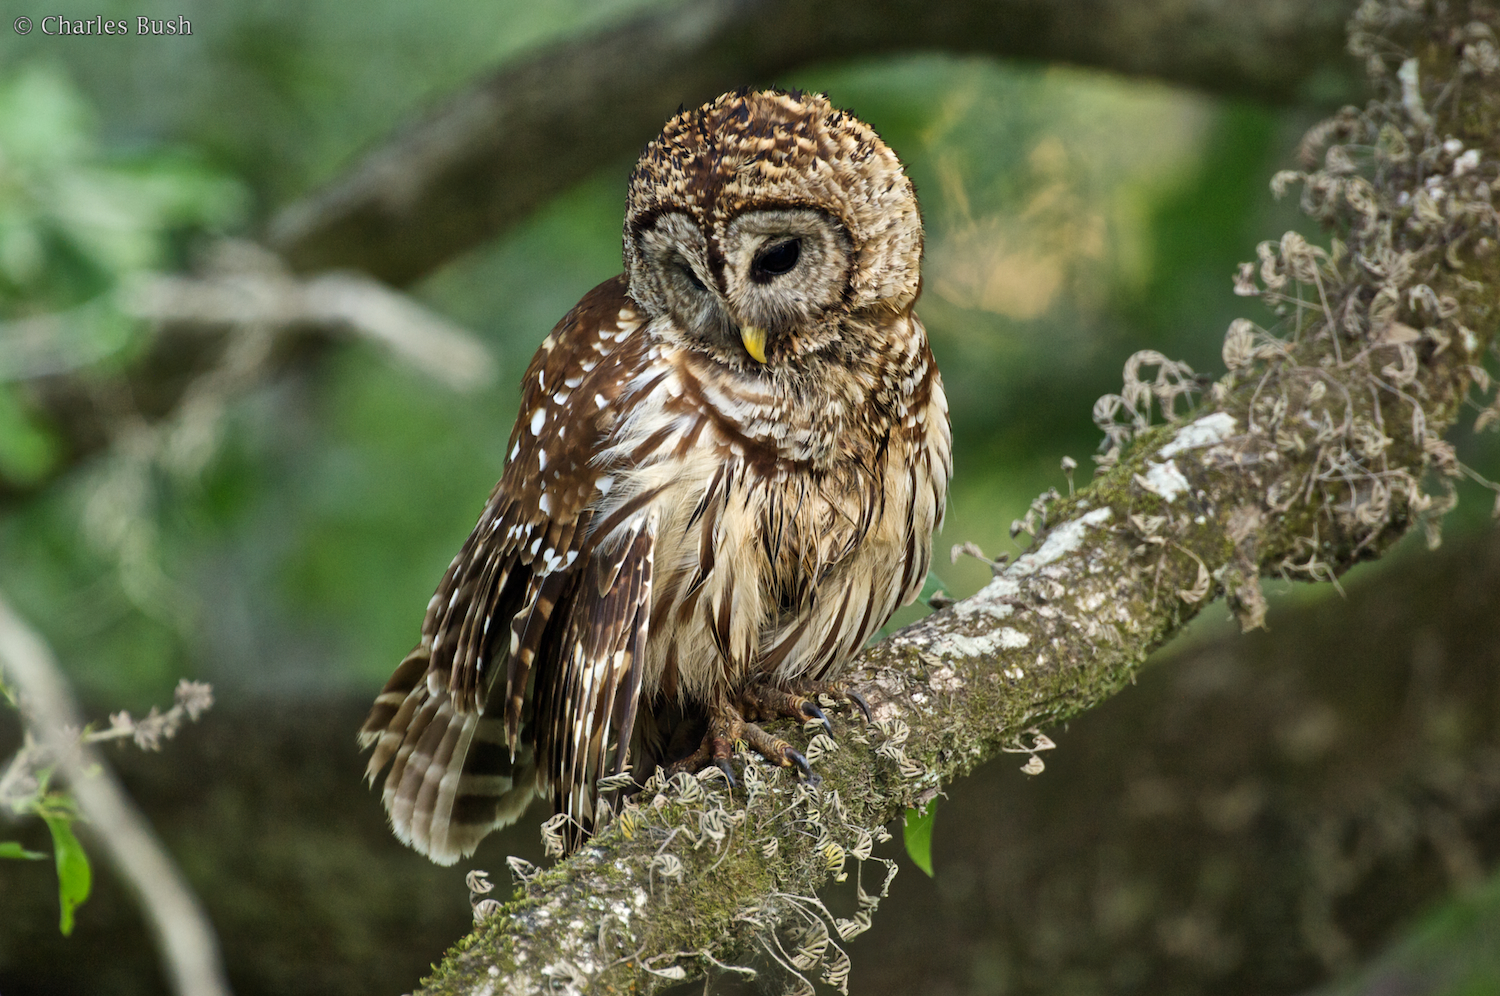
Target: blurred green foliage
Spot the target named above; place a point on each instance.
(74, 222)
(1453, 950)
(76, 225)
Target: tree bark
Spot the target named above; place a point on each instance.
(513, 140)
(1258, 813)
(1307, 459)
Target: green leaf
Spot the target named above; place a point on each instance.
(74, 878)
(13, 849)
(917, 834)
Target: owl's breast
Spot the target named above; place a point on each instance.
(763, 564)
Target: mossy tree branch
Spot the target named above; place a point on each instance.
(1307, 457)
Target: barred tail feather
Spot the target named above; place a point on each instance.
(452, 777)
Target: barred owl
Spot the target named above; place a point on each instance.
(724, 478)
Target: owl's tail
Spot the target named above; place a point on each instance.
(452, 777)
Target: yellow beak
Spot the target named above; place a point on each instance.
(754, 338)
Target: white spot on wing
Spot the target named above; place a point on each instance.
(538, 417)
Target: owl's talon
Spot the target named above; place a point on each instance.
(799, 701)
(723, 765)
(793, 758)
(810, 710)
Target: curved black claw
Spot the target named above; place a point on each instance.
(724, 766)
(859, 701)
(811, 711)
(802, 765)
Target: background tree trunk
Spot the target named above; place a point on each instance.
(492, 154)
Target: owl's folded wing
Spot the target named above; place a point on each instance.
(454, 722)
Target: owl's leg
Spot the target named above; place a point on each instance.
(729, 722)
(726, 725)
(798, 700)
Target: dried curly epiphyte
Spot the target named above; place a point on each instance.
(1121, 416)
(796, 932)
(1272, 273)
(1481, 57)
(1341, 127)
(521, 870)
(552, 835)
(687, 787)
(1403, 199)
(1239, 344)
(668, 866)
(617, 782)
(820, 745)
(714, 824)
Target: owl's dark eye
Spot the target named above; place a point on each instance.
(775, 261)
(692, 277)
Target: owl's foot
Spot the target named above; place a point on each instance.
(726, 725)
(798, 700)
(766, 700)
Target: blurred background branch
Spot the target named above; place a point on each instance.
(513, 139)
(216, 336)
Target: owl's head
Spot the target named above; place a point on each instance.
(760, 221)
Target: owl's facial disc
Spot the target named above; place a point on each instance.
(786, 269)
(780, 271)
